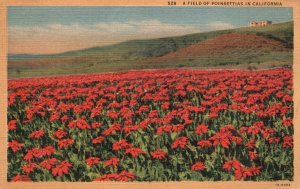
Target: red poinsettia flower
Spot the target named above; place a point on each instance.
(237, 140)
(92, 161)
(28, 168)
(48, 150)
(64, 118)
(112, 114)
(231, 164)
(180, 142)
(267, 132)
(21, 178)
(35, 152)
(48, 163)
(114, 161)
(112, 129)
(134, 152)
(162, 129)
(253, 130)
(200, 129)
(199, 166)
(254, 170)
(287, 122)
(288, 142)
(221, 139)
(98, 140)
(125, 176)
(62, 168)
(250, 144)
(274, 140)
(242, 173)
(65, 143)
(60, 133)
(121, 144)
(204, 143)
(96, 125)
(107, 177)
(37, 134)
(252, 154)
(79, 123)
(12, 125)
(15, 145)
(158, 154)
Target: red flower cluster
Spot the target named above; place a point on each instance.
(21, 178)
(38, 152)
(28, 168)
(152, 125)
(65, 143)
(15, 145)
(98, 140)
(201, 129)
(199, 166)
(12, 125)
(134, 152)
(180, 142)
(114, 161)
(48, 163)
(60, 133)
(121, 145)
(37, 134)
(122, 176)
(62, 168)
(92, 161)
(240, 171)
(158, 154)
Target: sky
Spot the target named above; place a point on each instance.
(47, 30)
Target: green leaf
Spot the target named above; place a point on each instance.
(173, 135)
(182, 175)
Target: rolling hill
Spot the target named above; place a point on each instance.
(242, 48)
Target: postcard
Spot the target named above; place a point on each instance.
(177, 94)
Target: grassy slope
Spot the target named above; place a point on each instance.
(137, 54)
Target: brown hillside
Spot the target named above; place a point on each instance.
(232, 42)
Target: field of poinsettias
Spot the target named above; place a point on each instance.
(166, 125)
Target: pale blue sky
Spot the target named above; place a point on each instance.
(176, 15)
(58, 29)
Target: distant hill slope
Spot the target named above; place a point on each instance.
(272, 45)
(227, 49)
(226, 43)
